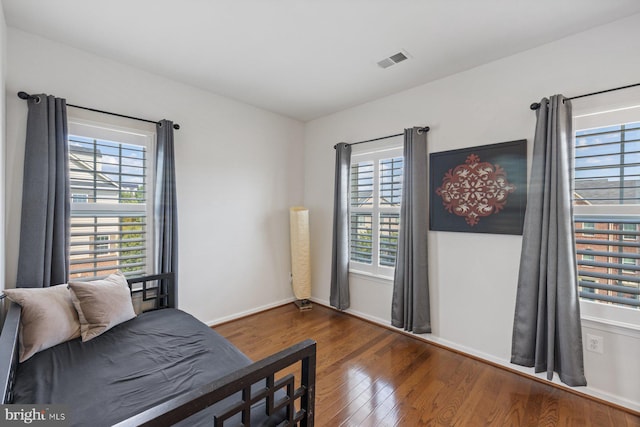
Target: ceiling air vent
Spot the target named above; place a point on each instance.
(392, 60)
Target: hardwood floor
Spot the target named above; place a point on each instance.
(368, 375)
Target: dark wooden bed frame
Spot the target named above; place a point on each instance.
(159, 289)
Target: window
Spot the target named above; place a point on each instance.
(109, 179)
(632, 228)
(606, 203)
(586, 226)
(101, 246)
(376, 192)
(79, 198)
(629, 264)
(588, 257)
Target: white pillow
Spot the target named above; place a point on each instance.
(48, 318)
(102, 304)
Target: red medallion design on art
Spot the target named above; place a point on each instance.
(475, 189)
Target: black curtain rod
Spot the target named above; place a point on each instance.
(536, 105)
(25, 96)
(420, 130)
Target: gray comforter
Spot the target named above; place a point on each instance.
(134, 366)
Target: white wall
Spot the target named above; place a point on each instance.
(473, 276)
(238, 171)
(3, 62)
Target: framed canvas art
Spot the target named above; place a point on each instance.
(479, 189)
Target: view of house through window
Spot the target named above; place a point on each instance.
(607, 213)
(109, 181)
(376, 192)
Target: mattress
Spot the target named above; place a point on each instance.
(132, 367)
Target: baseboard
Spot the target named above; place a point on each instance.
(246, 313)
(587, 392)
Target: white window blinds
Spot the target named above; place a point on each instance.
(607, 199)
(110, 224)
(376, 193)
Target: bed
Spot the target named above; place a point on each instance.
(163, 367)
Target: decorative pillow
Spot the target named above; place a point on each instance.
(48, 318)
(101, 304)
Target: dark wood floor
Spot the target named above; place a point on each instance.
(368, 375)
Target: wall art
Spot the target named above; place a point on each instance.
(480, 189)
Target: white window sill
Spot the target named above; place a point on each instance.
(388, 280)
(611, 326)
(605, 317)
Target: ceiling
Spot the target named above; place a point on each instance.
(308, 58)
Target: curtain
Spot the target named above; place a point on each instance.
(43, 258)
(410, 305)
(339, 296)
(165, 206)
(546, 329)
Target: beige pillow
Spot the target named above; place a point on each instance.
(48, 318)
(101, 304)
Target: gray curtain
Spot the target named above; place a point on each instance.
(410, 306)
(165, 206)
(43, 258)
(339, 297)
(546, 329)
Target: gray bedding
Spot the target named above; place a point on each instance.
(134, 366)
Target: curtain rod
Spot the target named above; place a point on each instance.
(25, 96)
(420, 130)
(536, 105)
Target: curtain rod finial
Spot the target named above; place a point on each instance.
(23, 95)
(534, 106)
(176, 126)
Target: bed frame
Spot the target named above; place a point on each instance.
(159, 290)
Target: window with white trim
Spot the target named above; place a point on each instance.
(376, 193)
(110, 182)
(607, 210)
(588, 257)
(586, 226)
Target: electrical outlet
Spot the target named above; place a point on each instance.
(595, 343)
